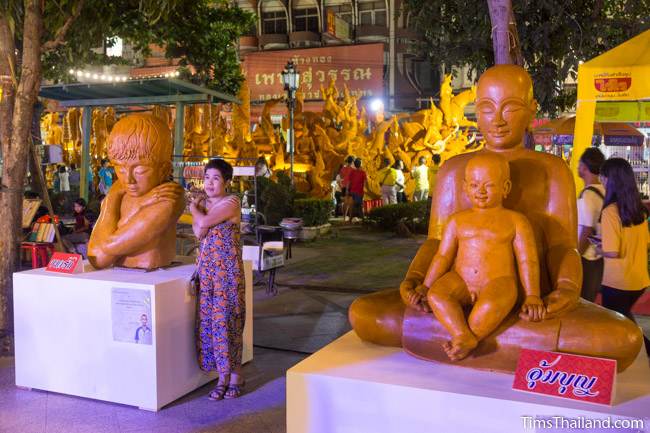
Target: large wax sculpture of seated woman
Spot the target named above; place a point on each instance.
(543, 190)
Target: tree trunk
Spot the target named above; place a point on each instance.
(7, 59)
(505, 39)
(15, 153)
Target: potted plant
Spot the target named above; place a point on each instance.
(315, 214)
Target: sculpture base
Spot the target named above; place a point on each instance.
(423, 337)
(354, 386)
(74, 334)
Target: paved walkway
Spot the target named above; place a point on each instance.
(315, 289)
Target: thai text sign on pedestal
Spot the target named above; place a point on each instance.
(574, 377)
(65, 263)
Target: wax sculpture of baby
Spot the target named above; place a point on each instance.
(137, 223)
(475, 263)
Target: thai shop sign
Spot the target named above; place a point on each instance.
(360, 67)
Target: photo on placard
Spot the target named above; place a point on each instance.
(131, 316)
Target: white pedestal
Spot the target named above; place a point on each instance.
(356, 387)
(65, 341)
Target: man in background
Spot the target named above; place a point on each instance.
(590, 204)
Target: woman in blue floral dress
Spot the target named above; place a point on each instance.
(222, 307)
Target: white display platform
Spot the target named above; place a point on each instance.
(65, 340)
(351, 386)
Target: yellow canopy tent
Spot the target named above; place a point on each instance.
(619, 80)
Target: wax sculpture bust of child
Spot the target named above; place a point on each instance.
(475, 263)
(137, 223)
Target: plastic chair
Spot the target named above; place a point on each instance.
(270, 241)
(39, 252)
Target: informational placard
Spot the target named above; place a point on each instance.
(131, 316)
(574, 377)
(65, 263)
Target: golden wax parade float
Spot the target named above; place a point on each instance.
(322, 139)
(502, 265)
(325, 138)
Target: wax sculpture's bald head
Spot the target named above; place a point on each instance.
(489, 162)
(514, 78)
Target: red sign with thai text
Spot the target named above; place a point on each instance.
(360, 67)
(581, 378)
(65, 263)
(619, 84)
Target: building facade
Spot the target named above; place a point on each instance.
(346, 32)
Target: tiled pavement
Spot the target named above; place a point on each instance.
(302, 318)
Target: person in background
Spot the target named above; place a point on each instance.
(336, 192)
(83, 220)
(56, 180)
(387, 179)
(625, 239)
(590, 204)
(262, 168)
(433, 174)
(64, 186)
(344, 172)
(357, 185)
(105, 177)
(400, 182)
(420, 175)
(91, 182)
(74, 177)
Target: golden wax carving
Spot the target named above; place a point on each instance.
(137, 223)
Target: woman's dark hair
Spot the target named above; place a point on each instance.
(397, 163)
(81, 202)
(349, 159)
(622, 190)
(593, 159)
(222, 166)
(62, 169)
(357, 163)
(436, 159)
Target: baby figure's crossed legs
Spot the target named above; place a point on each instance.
(492, 303)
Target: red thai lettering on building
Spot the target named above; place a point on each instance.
(359, 67)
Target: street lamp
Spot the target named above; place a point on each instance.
(291, 81)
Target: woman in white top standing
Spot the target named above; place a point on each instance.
(400, 181)
(64, 186)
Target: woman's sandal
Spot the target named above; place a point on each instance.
(218, 392)
(234, 390)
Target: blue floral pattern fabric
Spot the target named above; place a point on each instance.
(222, 309)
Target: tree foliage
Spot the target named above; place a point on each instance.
(202, 33)
(554, 35)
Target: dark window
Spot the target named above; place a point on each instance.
(274, 22)
(305, 20)
(372, 13)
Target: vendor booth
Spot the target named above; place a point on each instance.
(613, 87)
